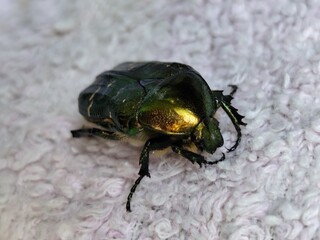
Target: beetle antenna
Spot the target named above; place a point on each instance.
(133, 189)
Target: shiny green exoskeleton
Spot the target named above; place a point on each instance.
(168, 104)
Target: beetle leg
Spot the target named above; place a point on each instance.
(218, 93)
(89, 132)
(224, 101)
(133, 189)
(234, 89)
(236, 124)
(219, 160)
(194, 157)
(236, 119)
(150, 145)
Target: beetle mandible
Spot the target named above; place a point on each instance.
(169, 104)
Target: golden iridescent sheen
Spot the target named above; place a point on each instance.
(168, 117)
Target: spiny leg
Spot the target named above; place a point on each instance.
(133, 189)
(150, 145)
(218, 96)
(236, 119)
(194, 157)
(224, 101)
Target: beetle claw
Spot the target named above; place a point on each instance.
(234, 88)
(231, 149)
(234, 147)
(219, 160)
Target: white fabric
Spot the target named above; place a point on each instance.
(55, 187)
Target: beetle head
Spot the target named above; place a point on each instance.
(207, 136)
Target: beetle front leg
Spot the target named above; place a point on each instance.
(236, 119)
(194, 157)
(224, 101)
(150, 145)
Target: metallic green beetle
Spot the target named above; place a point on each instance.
(168, 104)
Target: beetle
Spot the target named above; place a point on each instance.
(168, 104)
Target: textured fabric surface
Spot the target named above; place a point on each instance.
(56, 187)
